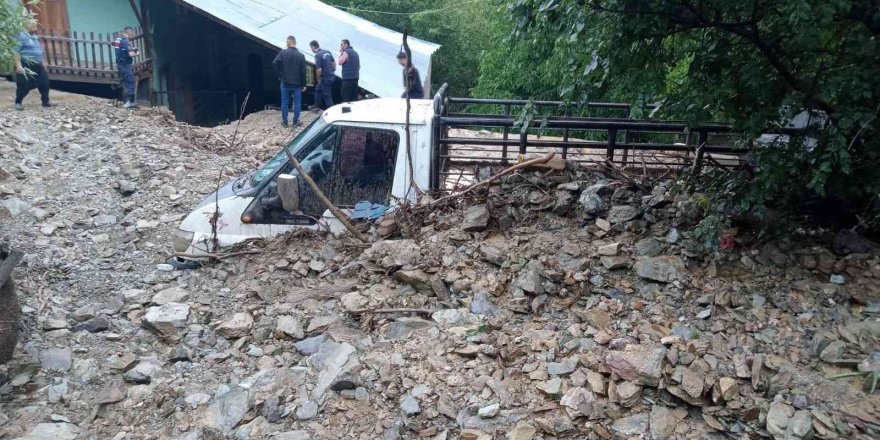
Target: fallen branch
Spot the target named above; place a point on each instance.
(537, 161)
(220, 256)
(324, 200)
(370, 310)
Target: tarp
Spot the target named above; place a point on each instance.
(271, 21)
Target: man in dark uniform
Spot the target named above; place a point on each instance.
(124, 64)
(351, 68)
(325, 73)
(412, 81)
(291, 67)
(30, 67)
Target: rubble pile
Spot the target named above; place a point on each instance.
(555, 304)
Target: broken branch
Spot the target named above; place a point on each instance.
(362, 311)
(537, 161)
(324, 200)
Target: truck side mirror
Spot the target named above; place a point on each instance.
(288, 190)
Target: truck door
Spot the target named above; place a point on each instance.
(348, 164)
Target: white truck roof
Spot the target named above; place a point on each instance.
(381, 110)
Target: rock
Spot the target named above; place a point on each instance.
(638, 362)
(394, 253)
(613, 263)
(727, 388)
(180, 354)
(531, 279)
(454, 317)
(58, 392)
(54, 324)
(403, 327)
(410, 406)
(93, 325)
(124, 363)
(102, 220)
(481, 305)
(800, 426)
(778, 417)
(603, 224)
(299, 434)
(664, 269)
(84, 313)
(692, 383)
(53, 431)
(238, 326)
(622, 214)
(489, 411)
(321, 323)
(354, 301)
(170, 295)
(111, 393)
(196, 399)
(227, 410)
(837, 279)
(310, 346)
(704, 314)
(476, 218)
(416, 278)
(663, 422)
(591, 203)
(649, 247)
(522, 431)
(331, 360)
(551, 387)
(59, 359)
(143, 372)
(136, 296)
(307, 410)
(609, 249)
(633, 425)
(166, 320)
(289, 326)
(596, 382)
(628, 394)
(562, 368)
(833, 351)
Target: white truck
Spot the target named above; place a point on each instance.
(356, 152)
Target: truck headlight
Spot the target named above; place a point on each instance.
(182, 240)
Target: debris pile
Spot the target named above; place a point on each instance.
(551, 304)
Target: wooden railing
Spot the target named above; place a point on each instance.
(90, 57)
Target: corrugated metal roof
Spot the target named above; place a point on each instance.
(307, 20)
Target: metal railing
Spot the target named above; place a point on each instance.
(89, 57)
(465, 141)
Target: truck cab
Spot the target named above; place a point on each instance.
(354, 152)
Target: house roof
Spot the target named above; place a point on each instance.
(271, 21)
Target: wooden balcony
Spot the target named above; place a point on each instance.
(91, 58)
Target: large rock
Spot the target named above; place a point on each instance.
(332, 360)
(633, 425)
(663, 422)
(226, 411)
(622, 214)
(289, 326)
(664, 269)
(394, 253)
(416, 278)
(638, 363)
(476, 218)
(53, 431)
(481, 305)
(777, 418)
(591, 203)
(59, 359)
(166, 320)
(170, 295)
(522, 431)
(239, 325)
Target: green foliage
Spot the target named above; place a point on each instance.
(12, 20)
(756, 64)
(460, 27)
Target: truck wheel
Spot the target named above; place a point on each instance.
(10, 315)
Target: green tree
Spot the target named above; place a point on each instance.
(460, 27)
(755, 63)
(12, 19)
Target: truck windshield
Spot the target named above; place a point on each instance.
(303, 138)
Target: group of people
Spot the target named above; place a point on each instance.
(291, 67)
(31, 70)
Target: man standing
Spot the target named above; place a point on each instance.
(30, 67)
(412, 81)
(325, 73)
(351, 71)
(291, 67)
(124, 59)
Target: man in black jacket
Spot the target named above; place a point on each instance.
(291, 67)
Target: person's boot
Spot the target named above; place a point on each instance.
(19, 106)
(48, 104)
(129, 104)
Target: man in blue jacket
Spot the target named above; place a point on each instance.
(351, 71)
(124, 64)
(325, 75)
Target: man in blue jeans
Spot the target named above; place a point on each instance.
(325, 71)
(124, 64)
(291, 67)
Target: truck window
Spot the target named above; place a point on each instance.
(295, 146)
(349, 164)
